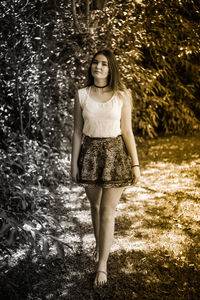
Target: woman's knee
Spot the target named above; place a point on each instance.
(95, 207)
(107, 214)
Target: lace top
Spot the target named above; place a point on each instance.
(100, 119)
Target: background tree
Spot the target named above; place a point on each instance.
(172, 52)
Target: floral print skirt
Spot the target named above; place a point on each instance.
(104, 162)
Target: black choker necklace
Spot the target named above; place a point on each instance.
(100, 87)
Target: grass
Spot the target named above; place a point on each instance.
(156, 252)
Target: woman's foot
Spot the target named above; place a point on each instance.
(100, 279)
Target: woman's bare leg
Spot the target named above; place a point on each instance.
(94, 195)
(109, 201)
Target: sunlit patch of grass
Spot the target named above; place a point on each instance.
(164, 225)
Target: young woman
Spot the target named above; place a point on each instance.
(104, 156)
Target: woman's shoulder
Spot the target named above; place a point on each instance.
(83, 88)
(82, 95)
(125, 96)
(126, 92)
(82, 92)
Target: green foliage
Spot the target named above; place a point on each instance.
(26, 168)
(31, 124)
(173, 35)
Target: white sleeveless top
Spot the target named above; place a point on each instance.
(100, 119)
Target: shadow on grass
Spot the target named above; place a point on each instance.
(29, 278)
(154, 275)
(47, 279)
(131, 275)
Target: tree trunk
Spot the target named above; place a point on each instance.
(76, 24)
(98, 4)
(88, 14)
(88, 7)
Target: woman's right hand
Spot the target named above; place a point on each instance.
(75, 173)
(136, 174)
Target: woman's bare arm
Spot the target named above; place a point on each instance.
(127, 132)
(77, 137)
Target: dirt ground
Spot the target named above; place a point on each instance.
(156, 251)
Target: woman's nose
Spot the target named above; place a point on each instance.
(99, 66)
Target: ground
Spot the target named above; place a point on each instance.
(156, 250)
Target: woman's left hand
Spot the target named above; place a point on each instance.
(136, 174)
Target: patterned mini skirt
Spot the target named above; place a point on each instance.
(105, 162)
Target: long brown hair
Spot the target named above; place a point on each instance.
(114, 80)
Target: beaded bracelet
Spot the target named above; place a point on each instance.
(135, 166)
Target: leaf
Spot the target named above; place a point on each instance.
(18, 187)
(4, 228)
(60, 250)
(166, 265)
(64, 243)
(45, 247)
(38, 220)
(11, 237)
(24, 204)
(5, 249)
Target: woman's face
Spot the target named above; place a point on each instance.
(100, 68)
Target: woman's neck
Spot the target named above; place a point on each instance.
(100, 83)
(101, 86)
